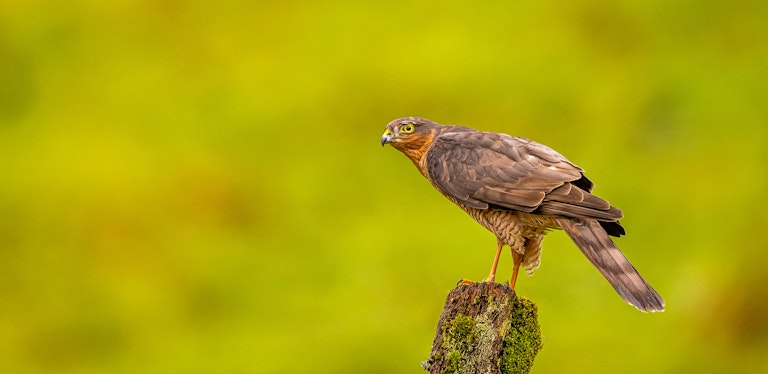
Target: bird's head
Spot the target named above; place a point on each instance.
(410, 135)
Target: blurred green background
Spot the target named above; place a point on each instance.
(198, 186)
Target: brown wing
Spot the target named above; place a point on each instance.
(482, 169)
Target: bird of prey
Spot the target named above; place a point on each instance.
(519, 190)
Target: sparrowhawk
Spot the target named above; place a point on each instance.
(519, 189)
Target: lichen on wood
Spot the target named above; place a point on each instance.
(485, 328)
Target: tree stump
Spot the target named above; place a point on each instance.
(485, 328)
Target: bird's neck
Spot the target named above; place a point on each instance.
(417, 148)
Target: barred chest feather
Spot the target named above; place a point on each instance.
(523, 232)
(511, 226)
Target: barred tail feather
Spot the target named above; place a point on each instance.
(594, 242)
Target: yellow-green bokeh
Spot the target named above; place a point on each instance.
(198, 186)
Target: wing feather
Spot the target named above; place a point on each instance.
(483, 169)
(594, 242)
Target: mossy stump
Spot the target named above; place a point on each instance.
(485, 328)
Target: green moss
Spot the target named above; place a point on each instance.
(461, 330)
(458, 336)
(523, 341)
(454, 363)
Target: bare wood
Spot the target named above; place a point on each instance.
(485, 328)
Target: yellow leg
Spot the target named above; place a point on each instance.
(492, 276)
(514, 271)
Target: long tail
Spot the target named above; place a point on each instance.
(594, 242)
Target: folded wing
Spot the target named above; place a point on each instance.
(482, 170)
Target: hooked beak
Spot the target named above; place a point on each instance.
(386, 138)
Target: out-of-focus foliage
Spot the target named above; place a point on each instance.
(198, 186)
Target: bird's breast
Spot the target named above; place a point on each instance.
(509, 225)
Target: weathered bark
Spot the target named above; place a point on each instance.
(485, 328)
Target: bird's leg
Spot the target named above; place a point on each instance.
(516, 260)
(492, 276)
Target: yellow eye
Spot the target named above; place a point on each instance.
(407, 128)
